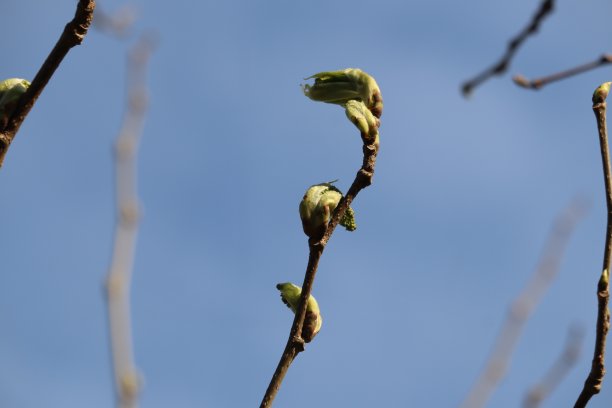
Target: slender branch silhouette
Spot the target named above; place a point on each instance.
(557, 372)
(540, 82)
(524, 305)
(73, 35)
(500, 67)
(127, 379)
(295, 343)
(592, 384)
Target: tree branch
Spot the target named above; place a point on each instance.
(523, 306)
(546, 7)
(592, 385)
(540, 82)
(295, 343)
(127, 379)
(557, 371)
(73, 34)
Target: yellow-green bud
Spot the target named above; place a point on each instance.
(366, 122)
(339, 87)
(601, 93)
(290, 295)
(317, 207)
(10, 92)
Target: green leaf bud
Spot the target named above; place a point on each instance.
(601, 93)
(317, 207)
(10, 92)
(363, 119)
(290, 295)
(339, 87)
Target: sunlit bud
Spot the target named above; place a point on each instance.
(317, 207)
(339, 87)
(290, 295)
(601, 93)
(10, 91)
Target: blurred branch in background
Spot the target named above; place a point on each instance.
(118, 24)
(558, 370)
(73, 34)
(524, 305)
(592, 384)
(127, 378)
(546, 7)
(540, 82)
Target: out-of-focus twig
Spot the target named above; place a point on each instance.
(546, 7)
(118, 24)
(73, 34)
(558, 370)
(524, 305)
(540, 82)
(592, 384)
(127, 379)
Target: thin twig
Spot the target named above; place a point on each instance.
(557, 372)
(295, 343)
(502, 65)
(127, 379)
(540, 82)
(524, 305)
(73, 35)
(592, 384)
(118, 24)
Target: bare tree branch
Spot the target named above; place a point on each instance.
(127, 379)
(592, 385)
(558, 370)
(540, 82)
(546, 7)
(524, 305)
(73, 35)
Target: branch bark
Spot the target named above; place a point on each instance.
(73, 35)
(502, 65)
(540, 82)
(593, 382)
(295, 343)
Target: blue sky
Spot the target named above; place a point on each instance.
(463, 198)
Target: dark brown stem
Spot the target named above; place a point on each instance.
(592, 385)
(73, 34)
(540, 82)
(295, 343)
(502, 65)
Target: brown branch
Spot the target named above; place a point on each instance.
(557, 372)
(524, 305)
(73, 34)
(592, 384)
(540, 82)
(502, 65)
(295, 343)
(127, 379)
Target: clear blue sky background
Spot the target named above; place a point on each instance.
(463, 197)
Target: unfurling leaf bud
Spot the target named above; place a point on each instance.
(317, 207)
(366, 122)
(10, 92)
(290, 295)
(339, 87)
